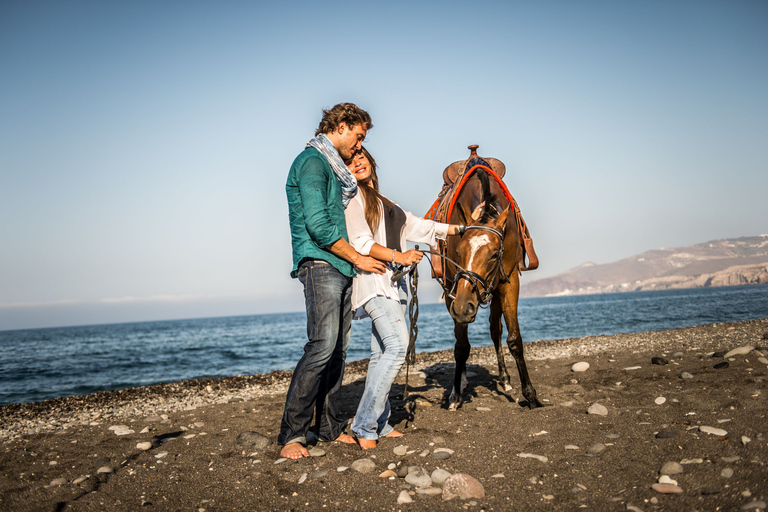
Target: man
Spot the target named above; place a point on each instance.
(318, 188)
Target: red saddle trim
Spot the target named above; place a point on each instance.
(432, 212)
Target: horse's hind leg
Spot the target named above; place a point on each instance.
(460, 355)
(515, 343)
(496, 337)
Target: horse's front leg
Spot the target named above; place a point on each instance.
(496, 337)
(509, 295)
(460, 355)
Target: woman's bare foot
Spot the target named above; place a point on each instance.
(294, 451)
(366, 444)
(395, 433)
(346, 438)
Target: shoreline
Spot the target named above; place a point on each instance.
(80, 410)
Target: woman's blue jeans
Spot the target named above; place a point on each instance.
(389, 344)
(316, 381)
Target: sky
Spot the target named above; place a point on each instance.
(144, 145)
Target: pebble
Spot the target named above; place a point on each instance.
(542, 458)
(56, 482)
(755, 504)
(726, 473)
(666, 434)
(363, 465)
(581, 366)
(462, 486)
(665, 479)
(302, 478)
(666, 488)
(429, 491)
(342, 469)
(597, 409)
(483, 409)
(633, 508)
(418, 479)
(713, 430)
(762, 360)
(400, 450)
(388, 473)
(568, 403)
(424, 453)
(660, 400)
(686, 375)
(692, 461)
(745, 440)
(250, 441)
(316, 452)
(629, 368)
(498, 475)
(404, 497)
(319, 474)
(78, 481)
(721, 365)
(596, 448)
(442, 453)
(439, 476)
(571, 447)
(740, 351)
(660, 361)
(105, 469)
(671, 468)
(281, 460)
(144, 446)
(732, 458)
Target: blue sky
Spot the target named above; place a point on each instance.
(144, 145)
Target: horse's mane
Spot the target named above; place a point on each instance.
(494, 202)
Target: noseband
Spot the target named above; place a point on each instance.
(477, 281)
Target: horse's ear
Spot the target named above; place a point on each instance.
(500, 222)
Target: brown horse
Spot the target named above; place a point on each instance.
(481, 266)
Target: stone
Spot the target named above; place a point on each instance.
(439, 476)
(660, 361)
(542, 458)
(633, 508)
(597, 409)
(686, 375)
(402, 471)
(726, 473)
(57, 482)
(581, 366)
(732, 458)
(660, 400)
(78, 481)
(692, 461)
(418, 479)
(720, 366)
(571, 447)
(400, 450)
(442, 453)
(713, 430)
(739, 351)
(144, 446)
(630, 368)
(483, 409)
(363, 465)
(429, 491)
(719, 353)
(596, 448)
(388, 473)
(759, 504)
(666, 488)
(665, 479)
(462, 486)
(342, 469)
(105, 469)
(745, 440)
(316, 452)
(319, 474)
(671, 468)
(666, 434)
(302, 478)
(404, 497)
(250, 441)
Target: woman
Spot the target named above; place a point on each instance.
(379, 228)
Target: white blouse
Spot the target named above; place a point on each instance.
(367, 285)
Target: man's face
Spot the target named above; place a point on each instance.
(349, 139)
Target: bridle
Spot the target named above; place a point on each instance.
(481, 286)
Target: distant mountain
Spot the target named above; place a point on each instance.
(729, 262)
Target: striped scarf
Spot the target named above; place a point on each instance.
(344, 175)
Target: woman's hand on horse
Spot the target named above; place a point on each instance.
(409, 257)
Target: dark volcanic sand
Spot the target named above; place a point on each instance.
(202, 470)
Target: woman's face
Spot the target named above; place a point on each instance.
(360, 167)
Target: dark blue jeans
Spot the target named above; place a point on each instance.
(316, 381)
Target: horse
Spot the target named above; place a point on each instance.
(481, 266)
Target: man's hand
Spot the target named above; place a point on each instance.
(368, 264)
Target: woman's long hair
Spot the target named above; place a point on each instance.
(373, 198)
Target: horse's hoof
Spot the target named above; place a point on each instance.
(507, 387)
(453, 406)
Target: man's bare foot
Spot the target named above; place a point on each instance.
(346, 438)
(294, 451)
(395, 433)
(366, 444)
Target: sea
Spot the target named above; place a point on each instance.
(38, 364)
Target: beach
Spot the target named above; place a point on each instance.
(663, 420)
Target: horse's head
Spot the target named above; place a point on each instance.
(480, 254)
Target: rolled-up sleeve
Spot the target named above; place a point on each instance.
(358, 231)
(422, 230)
(313, 189)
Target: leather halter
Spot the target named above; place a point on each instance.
(483, 296)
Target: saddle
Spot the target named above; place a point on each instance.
(454, 177)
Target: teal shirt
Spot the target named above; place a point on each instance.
(315, 211)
